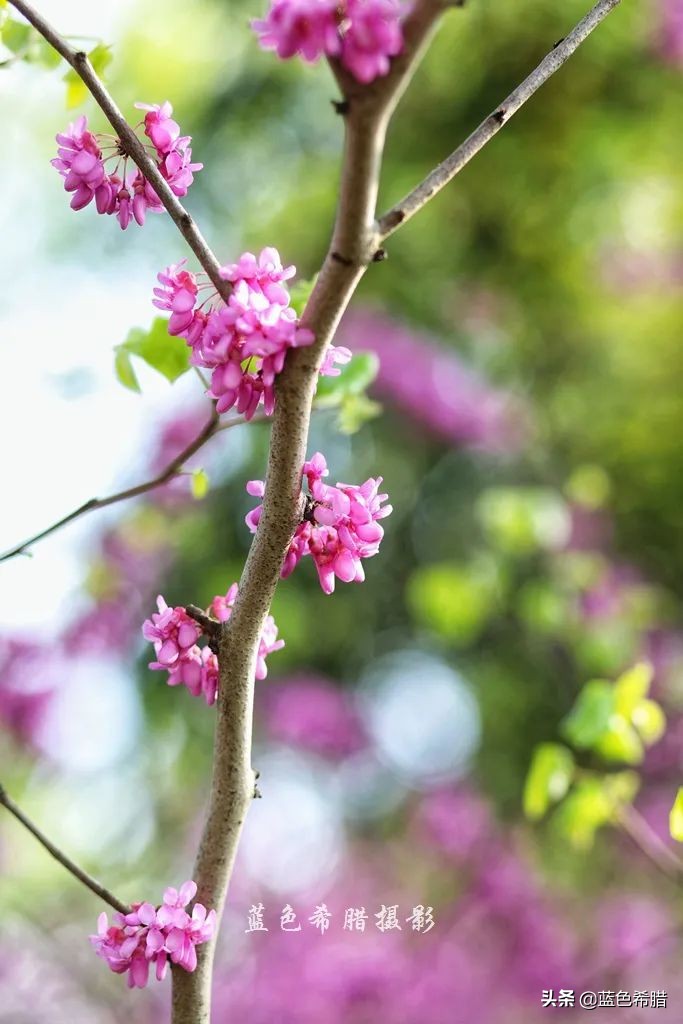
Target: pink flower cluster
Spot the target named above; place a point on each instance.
(340, 526)
(154, 935)
(242, 342)
(363, 34)
(175, 634)
(81, 161)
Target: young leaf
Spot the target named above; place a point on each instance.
(355, 411)
(585, 810)
(621, 787)
(620, 742)
(631, 688)
(160, 350)
(354, 378)
(650, 721)
(15, 35)
(124, 370)
(676, 817)
(200, 484)
(100, 57)
(548, 779)
(44, 54)
(590, 716)
(300, 293)
(76, 91)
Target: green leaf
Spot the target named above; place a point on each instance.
(16, 35)
(355, 411)
(76, 91)
(548, 779)
(123, 368)
(300, 293)
(354, 378)
(631, 688)
(591, 714)
(200, 484)
(676, 817)
(620, 742)
(44, 54)
(621, 787)
(100, 57)
(168, 355)
(586, 809)
(650, 721)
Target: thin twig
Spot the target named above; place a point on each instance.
(211, 427)
(649, 843)
(130, 142)
(65, 861)
(211, 627)
(453, 164)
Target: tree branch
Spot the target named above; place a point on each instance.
(453, 164)
(649, 843)
(355, 240)
(131, 143)
(211, 427)
(65, 861)
(350, 251)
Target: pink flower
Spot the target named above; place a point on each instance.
(123, 192)
(340, 528)
(243, 341)
(178, 294)
(336, 356)
(186, 662)
(172, 632)
(373, 36)
(262, 275)
(79, 161)
(159, 127)
(198, 671)
(177, 168)
(305, 27)
(364, 34)
(149, 935)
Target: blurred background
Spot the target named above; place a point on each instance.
(527, 421)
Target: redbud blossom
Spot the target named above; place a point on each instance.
(305, 27)
(243, 341)
(363, 34)
(122, 190)
(340, 529)
(154, 935)
(174, 635)
(172, 632)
